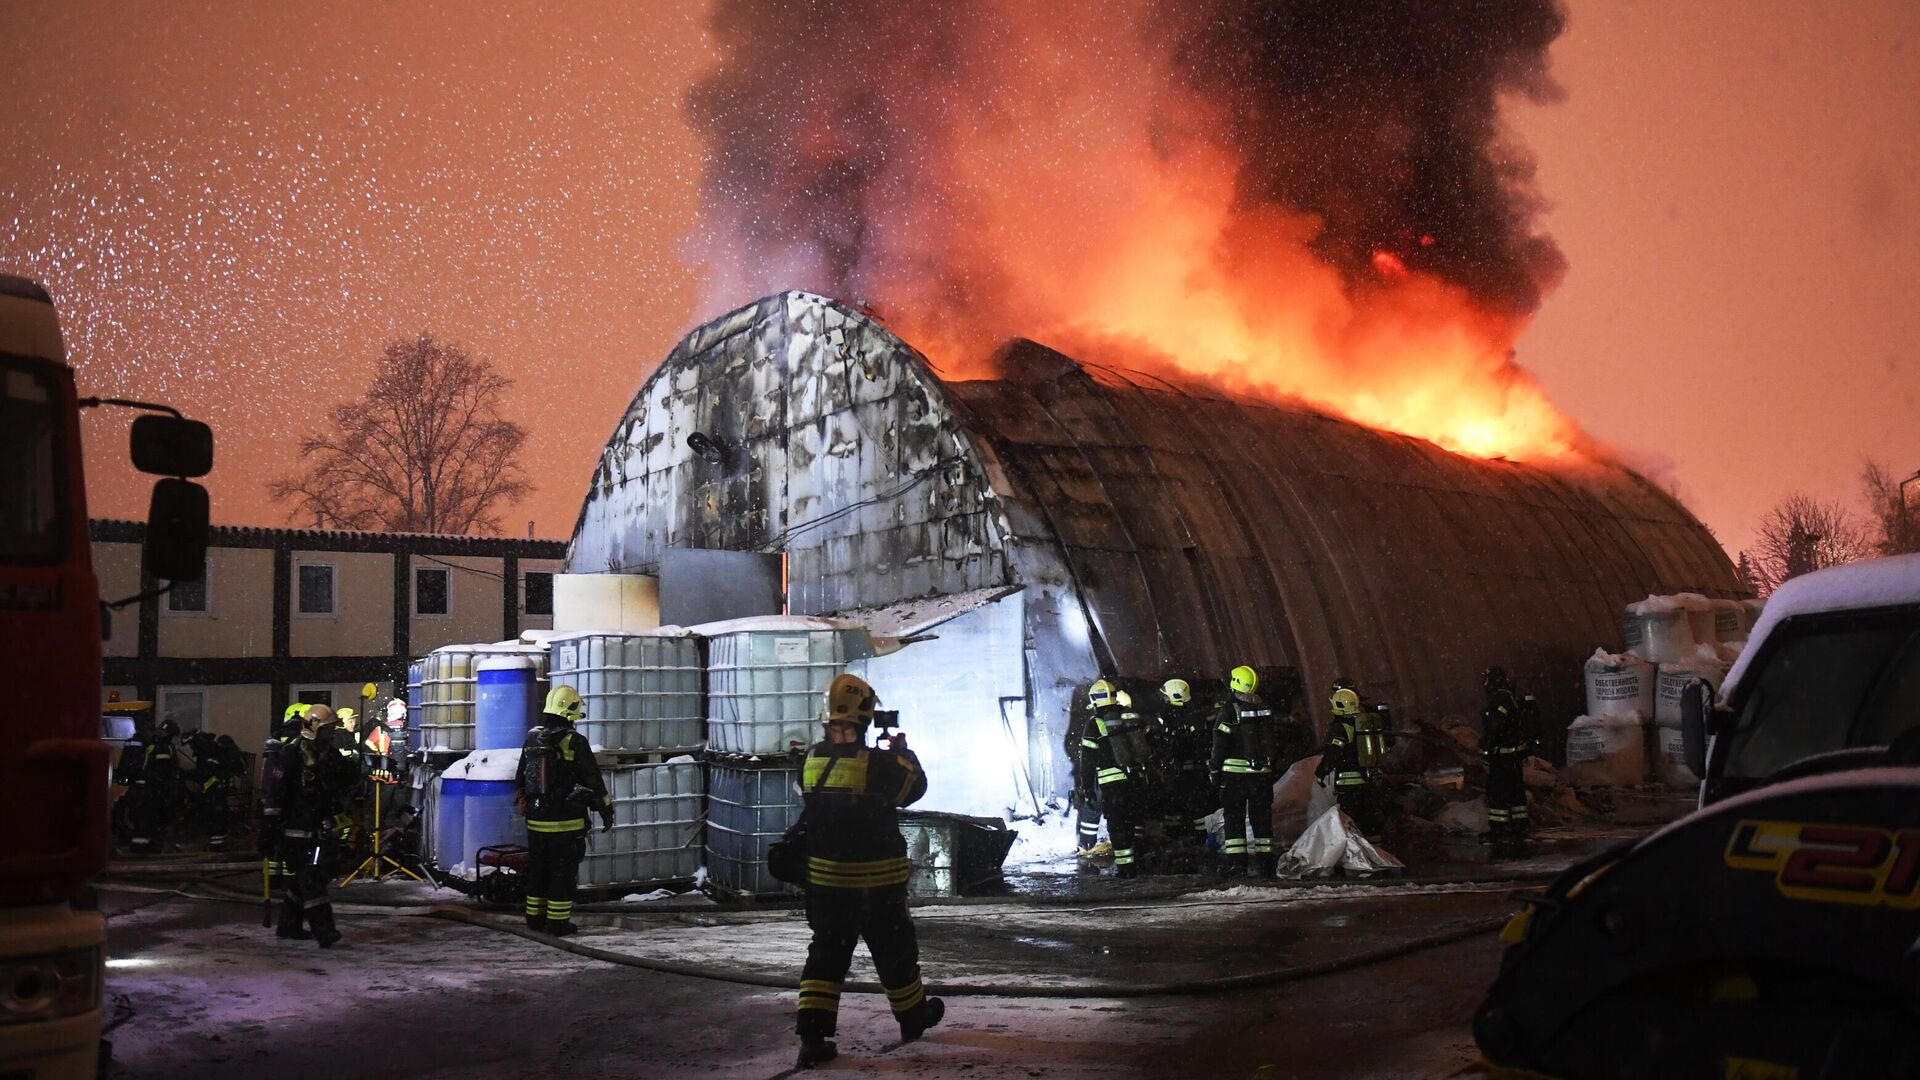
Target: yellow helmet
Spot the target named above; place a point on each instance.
(1346, 702)
(347, 716)
(1100, 694)
(565, 701)
(1123, 699)
(1176, 691)
(850, 701)
(295, 711)
(1244, 680)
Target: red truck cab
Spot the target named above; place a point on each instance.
(53, 764)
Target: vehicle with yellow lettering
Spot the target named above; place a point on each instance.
(1775, 931)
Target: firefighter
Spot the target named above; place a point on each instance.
(267, 836)
(1184, 749)
(1114, 749)
(557, 786)
(1242, 767)
(1507, 733)
(218, 766)
(151, 774)
(1086, 792)
(857, 871)
(312, 781)
(1356, 745)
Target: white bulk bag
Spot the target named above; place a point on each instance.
(1657, 629)
(1618, 685)
(1606, 751)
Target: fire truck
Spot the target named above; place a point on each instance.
(53, 764)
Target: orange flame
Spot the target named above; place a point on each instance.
(1072, 188)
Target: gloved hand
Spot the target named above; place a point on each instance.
(606, 821)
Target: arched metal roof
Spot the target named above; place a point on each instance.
(1195, 530)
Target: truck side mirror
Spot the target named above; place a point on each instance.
(1695, 701)
(177, 523)
(171, 446)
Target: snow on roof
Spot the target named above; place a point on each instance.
(1855, 586)
(923, 613)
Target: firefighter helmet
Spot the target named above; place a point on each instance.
(1123, 699)
(396, 713)
(1495, 678)
(1345, 701)
(1100, 694)
(315, 718)
(1245, 680)
(564, 701)
(295, 711)
(1176, 691)
(347, 717)
(850, 701)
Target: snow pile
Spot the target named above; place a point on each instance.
(1606, 751)
(1619, 685)
(486, 765)
(1333, 844)
(1048, 840)
(1658, 629)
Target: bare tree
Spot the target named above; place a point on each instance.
(1803, 534)
(1897, 525)
(424, 450)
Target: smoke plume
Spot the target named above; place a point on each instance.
(1296, 198)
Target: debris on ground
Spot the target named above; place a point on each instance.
(1332, 845)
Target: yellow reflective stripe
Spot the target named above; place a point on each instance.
(1100, 725)
(907, 784)
(1109, 776)
(578, 824)
(1235, 846)
(1090, 744)
(858, 875)
(907, 997)
(1227, 728)
(820, 986)
(842, 773)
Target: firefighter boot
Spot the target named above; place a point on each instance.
(915, 1021)
(536, 923)
(564, 928)
(815, 1050)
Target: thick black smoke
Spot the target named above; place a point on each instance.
(1381, 117)
(826, 122)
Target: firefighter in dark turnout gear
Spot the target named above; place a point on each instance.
(1115, 750)
(217, 765)
(1356, 743)
(151, 774)
(1088, 807)
(267, 836)
(1507, 732)
(1184, 750)
(311, 782)
(557, 785)
(1242, 763)
(857, 871)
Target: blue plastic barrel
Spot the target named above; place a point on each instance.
(491, 818)
(415, 672)
(506, 707)
(450, 823)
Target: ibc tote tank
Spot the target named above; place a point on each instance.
(449, 821)
(505, 707)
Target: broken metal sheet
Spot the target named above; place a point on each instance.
(910, 618)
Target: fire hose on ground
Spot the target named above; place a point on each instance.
(1193, 987)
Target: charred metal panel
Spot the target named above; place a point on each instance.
(834, 445)
(702, 585)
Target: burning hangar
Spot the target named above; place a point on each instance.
(1066, 519)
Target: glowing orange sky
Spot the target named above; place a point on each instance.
(237, 206)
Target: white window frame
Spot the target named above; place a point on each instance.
(206, 591)
(165, 694)
(524, 610)
(447, 573)
(332, 691)
(333, 569)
